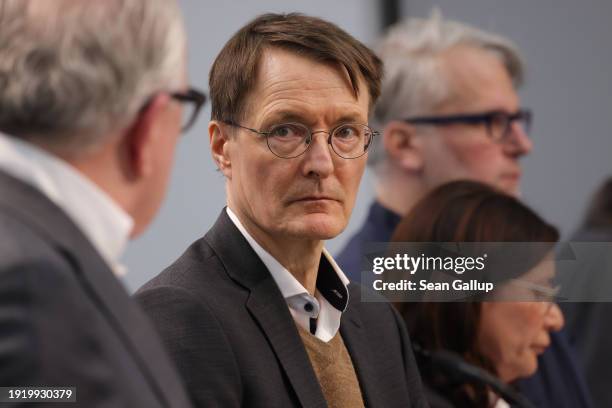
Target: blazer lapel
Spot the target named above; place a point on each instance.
(268, 307)
(106, 291)
(353, 335)
(280, 330)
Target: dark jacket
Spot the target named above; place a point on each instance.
(230, 331)
(65, 320)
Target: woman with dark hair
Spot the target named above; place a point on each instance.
(462, 345)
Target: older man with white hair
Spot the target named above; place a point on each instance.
(93, 96)
(449, 110)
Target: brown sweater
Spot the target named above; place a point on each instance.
(334, 369)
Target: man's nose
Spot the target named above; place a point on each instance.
(519, 143)
(318, 159)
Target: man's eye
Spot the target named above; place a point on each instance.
(346, 132)
(499, 121)
(287, 131)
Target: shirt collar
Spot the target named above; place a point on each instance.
(103, 222)
(331, 281)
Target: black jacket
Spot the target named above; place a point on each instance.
(230, 331)
(65, 320)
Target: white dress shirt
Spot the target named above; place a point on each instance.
(331, 296)
(102, 221)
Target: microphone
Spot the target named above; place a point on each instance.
(455, 366)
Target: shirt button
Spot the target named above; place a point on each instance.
(308, 307)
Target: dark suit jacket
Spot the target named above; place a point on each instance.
(378, 226)
(65, 320)
(230, 330)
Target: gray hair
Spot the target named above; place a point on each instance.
(71, 71)
(414, 82)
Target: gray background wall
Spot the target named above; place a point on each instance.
(569, 57)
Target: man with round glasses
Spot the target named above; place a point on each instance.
(257, 313)
(449, 110)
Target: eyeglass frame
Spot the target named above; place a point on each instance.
(194, 96)
(476, 119)
(544, 294)
(311, 133)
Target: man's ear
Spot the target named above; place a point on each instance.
(142, 136)
(403, 146)
(219, 147)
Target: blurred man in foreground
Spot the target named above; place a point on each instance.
(92, 99)
(257, 313)
(449, 110)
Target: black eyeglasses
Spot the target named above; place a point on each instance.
(498, 123)
(194, 100)
(290, 140)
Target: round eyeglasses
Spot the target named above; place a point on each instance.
(290, 140)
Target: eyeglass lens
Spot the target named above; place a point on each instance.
(293, 139)
(500, 125)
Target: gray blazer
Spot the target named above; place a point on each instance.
(65, 320)
(230, 331)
